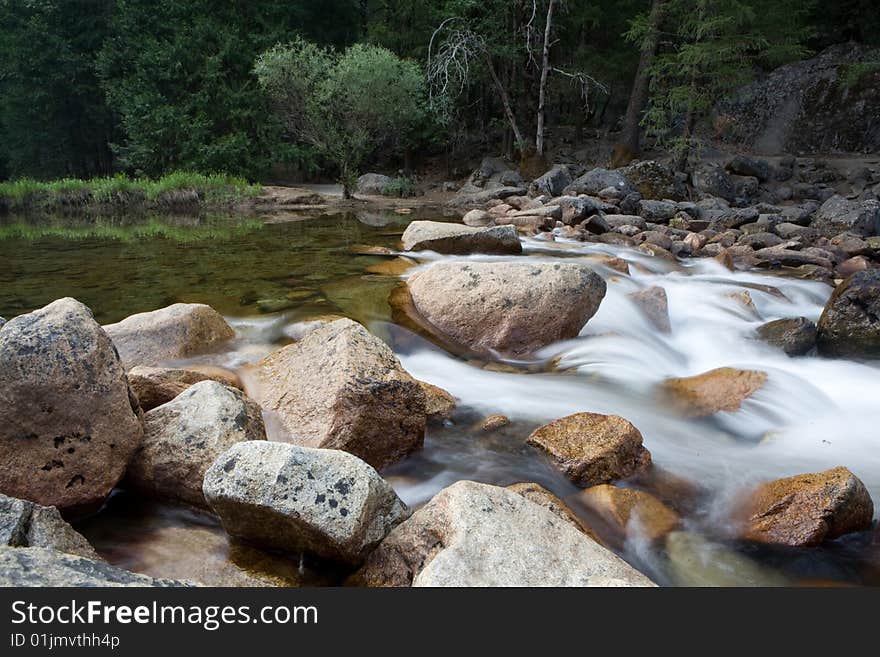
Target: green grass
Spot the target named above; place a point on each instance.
(214, 189)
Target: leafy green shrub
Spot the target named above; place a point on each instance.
(402, 187)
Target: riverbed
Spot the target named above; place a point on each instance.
(270, 278)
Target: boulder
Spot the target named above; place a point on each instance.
(722, 389)
(544, 498)
(41, 567)
(850, 323)
(630, 513)
(474, 534)
(592, 449)
(508, 307)
(796, 336)
(653, 303)
(439, 404)
(457, 239)
(477, 219)
(660, 212)
(553, 182)
(69, 422)
(743, 165)
(183, 438)
(180, 330)
(782, 256)
(655, 181)
(711, 180)
(373, 184)
(596, 180)
(807, 509)
(341, 387)
(155, 386)
(25, 524)
(838, 214)
(319, 501)
(575, 209)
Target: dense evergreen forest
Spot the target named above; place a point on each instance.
(143, 87)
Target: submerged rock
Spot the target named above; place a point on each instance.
(182, 329)
(457, 239)
(69, 422)
(25, 524)
(630, 513)
(341, 387)
(493, 422)
(474, 534)
(592, 449)
(806, 509)
(37, 566)
(722, 389)
(652, 301)
(320, 501)
(508, 307)
(695, 561)
(183, 438)
(795, 336)
(155, 386)
(850, 323)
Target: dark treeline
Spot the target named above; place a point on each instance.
(92, 87)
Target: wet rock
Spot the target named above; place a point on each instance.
(807, 509)
(591, 449)
(838, 214)
(180, 330)
(473, 534)
(657, 211)
(439, 404)
(323, 502)
(596, 180)
(712, 180)
(493, 422)
(652, 301)
(695, 561)
(155, 386)
(69, 422)
(37, 566)
(722, 389)
(630, 513)
(510, 307)
(373, 184)
(25, 524)
(183, 438)
(477, 219)
(655, 181)
(342, 388)
(547, 500)
(553, 182)
(795, 336)
(850, 323)
(457, 239)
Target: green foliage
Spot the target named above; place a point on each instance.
(852, 74)
(344, 105)
(401, 187)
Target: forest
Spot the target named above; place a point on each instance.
(145, 87)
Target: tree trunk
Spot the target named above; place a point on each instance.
(505, 101)
(629, 140)
(545, 72)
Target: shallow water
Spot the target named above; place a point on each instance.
(270, 277)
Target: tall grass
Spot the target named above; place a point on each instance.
(213, 189)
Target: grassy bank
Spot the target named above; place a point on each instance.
(178, 190)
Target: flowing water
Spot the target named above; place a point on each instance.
(271, 277)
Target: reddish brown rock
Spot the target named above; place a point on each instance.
(592, 449)
(493, 422)
(630, 513)
(439, 404)
(722, 389)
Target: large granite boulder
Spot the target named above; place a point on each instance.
(474, 534)
(319, 501)
(180, 330)
(850, 323)
(373, 184)
(341, 387)
(445, 237)
(508, 307)
(552, 182)
(838, 215)
(183, 438)
(69, 422)
(598, 180)
(654, 180)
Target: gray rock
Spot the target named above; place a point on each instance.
(509, 307)
(850, 323)
(653, 303)
(742, 165)
(457, 239)
(552, 182)
(760, 240)
(25, 524)
(657, 211)
(179, 330)
(711, 179)
(838, 214)
(183, 438)
(781, 256)
(596, 180)
(796, 336)
(69, 422)
(2, 322)
(477, 219)
(655, 181)
(474, 534)
(320, 501)
(341, 387)
(373, 184)
(37, 566)
(577, 208)
(480, 199)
